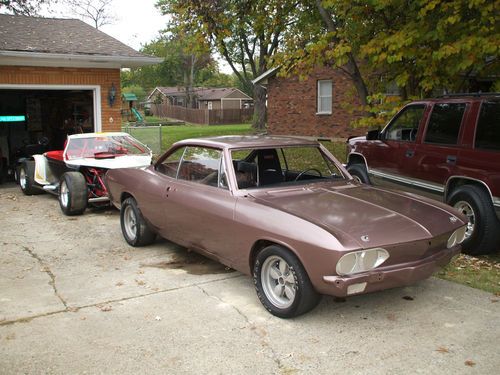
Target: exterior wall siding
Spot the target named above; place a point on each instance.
(292, 106)
(27, 75)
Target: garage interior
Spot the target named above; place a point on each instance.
(34, 121)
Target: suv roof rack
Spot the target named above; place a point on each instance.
(458, 95)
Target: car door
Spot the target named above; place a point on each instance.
(436, 157)
(397, 144)
(200, 206)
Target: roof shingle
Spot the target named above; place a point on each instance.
(58, 36)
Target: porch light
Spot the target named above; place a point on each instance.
(112, 95)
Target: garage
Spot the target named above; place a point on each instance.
(57, 77)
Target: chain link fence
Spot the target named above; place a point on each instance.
(152, 136)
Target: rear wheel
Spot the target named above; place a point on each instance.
(27, 179)
(134, 228)
(282, 284)
(483, 226)
(359, 173)
(73, 194)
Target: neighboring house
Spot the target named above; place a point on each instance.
(57, 75)
(204, 98)
(322, 105)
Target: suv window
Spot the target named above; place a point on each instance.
(487, 132)
(405, 126)
(444, 124)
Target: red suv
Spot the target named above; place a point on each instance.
(446, 148)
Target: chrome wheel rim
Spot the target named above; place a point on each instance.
(64, 194)
(22, 178)
(130, 222)
(278, 282)
(466, 209)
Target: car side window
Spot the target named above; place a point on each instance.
(487, 134)
(201, 165)
(444, 123)
(170, 165)
(405, 125)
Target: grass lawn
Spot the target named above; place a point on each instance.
(482, 272)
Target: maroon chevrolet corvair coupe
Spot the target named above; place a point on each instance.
(287, 212)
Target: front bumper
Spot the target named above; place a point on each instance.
(388, 277)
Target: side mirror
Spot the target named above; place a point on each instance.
(373, 135)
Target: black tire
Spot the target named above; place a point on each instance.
(135, 230)
(358, 171)
(483, 237)
(27, 179)
(73, 195)
(304, 297)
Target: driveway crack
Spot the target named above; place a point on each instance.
(45, 268)
(253, 328)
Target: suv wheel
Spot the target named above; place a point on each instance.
(359, 173)
(481, 235)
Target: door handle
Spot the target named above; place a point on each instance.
(410, 153)
(451, 159)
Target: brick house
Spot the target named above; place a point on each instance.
(319, 106)
(58, 74)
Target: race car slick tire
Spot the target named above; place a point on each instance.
(27, 179)
(73, 193)
(282, 284)
(483, 225)
(358, 171)
(135, 230)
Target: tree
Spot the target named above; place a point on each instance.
(186, 63)
(23, 7)
(245, 33)
(96, 11)
(420, 45)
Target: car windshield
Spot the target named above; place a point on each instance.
(105, 146)
(255, 168)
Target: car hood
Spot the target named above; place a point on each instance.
(367, 215)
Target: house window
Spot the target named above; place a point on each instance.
(324, 97)
(209, 106)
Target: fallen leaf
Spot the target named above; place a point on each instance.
(106, 308)
(72, 309)
(494, 300)
(470, 363)
(140, 282)
(442, 349)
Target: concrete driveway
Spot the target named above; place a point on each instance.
(75, 299)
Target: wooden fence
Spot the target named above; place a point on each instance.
(203, 116)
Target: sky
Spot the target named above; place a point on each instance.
(136, 22)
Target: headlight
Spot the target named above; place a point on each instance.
(361, 261)
(457, 237)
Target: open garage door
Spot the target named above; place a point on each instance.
(36, 120)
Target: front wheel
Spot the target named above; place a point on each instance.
(359, 173)
(282, 284)
(134, 228)
(481, 236)
(73, 194)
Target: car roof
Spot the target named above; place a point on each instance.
(248, 141)
(458, 98)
